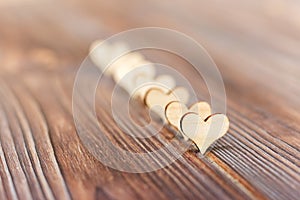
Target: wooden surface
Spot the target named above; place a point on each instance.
(256, 45)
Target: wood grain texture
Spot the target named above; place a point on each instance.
(256, 45)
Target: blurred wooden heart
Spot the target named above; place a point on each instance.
(157, 99)
(204, 132)
(175, 110)
(103, 53)
(162, 82)
(126, 77)
(133, 63)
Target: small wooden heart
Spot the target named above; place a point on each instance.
(204, 132)
(134, 65)
(106, 53)
(157, 99)
(127, 79)
(175, 110)
(162, 82)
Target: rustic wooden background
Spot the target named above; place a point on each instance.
(256, 45)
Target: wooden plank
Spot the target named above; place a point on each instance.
(256, 46)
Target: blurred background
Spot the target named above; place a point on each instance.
(256, 44)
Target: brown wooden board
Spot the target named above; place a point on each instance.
(256, 45)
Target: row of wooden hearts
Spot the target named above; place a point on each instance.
(161, 96)
(196, 123)
(131, 71)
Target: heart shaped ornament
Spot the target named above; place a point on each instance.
(126, 78)
(106, 54)
(175, 110)
(157, 99)
(162, 82)
(127, 63)
(204, 132)
(99, 55)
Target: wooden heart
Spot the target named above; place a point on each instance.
(162, 82)
(105, 54)
(127, 79)
(204, 132)
(99, 55)
(134, 63)
(157, 99)
(175, 110)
